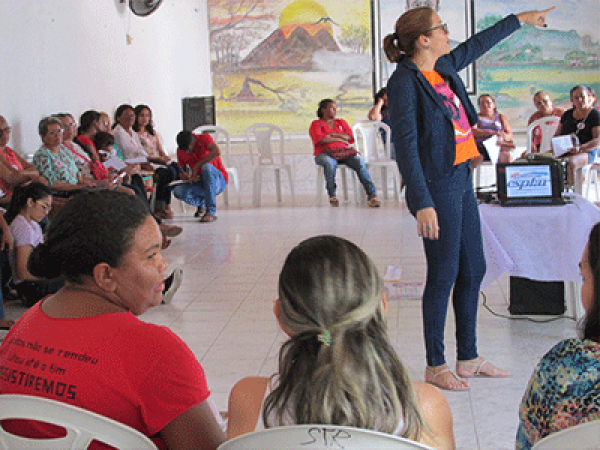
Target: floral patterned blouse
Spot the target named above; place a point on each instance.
(564, 390)
(54, 167)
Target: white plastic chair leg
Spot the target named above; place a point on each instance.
(278, 184)
(320, 183)
(256, 189)
(289, 172)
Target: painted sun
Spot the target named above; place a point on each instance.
(304, 12)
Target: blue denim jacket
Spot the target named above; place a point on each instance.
(422, 129)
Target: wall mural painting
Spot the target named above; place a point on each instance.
(458, 14)
(552, 59)
(272, 61)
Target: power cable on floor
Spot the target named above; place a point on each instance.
(511, 317)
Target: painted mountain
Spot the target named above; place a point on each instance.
(291, 47)
(534, 45)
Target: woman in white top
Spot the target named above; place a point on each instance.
(338, 367)
(165, 171)
(144, 127)
(125, 136)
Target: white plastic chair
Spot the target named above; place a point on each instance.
(585, 436)
(260, 138)
(319, 437)
(548, 126)
(220, 136)
(376, 151)
(592, 178)
(82, 426)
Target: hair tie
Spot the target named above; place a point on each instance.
(325, 338)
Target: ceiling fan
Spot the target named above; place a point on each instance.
(143, 7)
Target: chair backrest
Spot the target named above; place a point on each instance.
(260, 138)
(585, 436)
(547, 126)
(372, 140)
(319, 437)
(82, 426)
(220, 136)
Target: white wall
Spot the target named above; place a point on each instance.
(72, 55)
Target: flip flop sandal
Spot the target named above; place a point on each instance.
(433, 374)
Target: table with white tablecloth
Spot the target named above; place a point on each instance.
(541, 243)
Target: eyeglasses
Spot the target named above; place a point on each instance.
(45, 206)
(443, 26)
(55, 132)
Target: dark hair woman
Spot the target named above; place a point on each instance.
(97, 354)
(29, 205)
(330, 134)
(563, 390)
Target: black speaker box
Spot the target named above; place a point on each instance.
(198, 111)
(536, 297)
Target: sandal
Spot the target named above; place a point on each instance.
(208, 217)
(170, 230)
(164, 214)
(456, 383)
(475, 368)
(373, 203)
(333, 201)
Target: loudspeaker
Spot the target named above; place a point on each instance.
(536, 297)
(198, 111)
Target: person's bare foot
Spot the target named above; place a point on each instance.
(443, 377)
(479, 367)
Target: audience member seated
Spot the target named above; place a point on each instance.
(133, 372)
(207, 177)
(338, 366)
(582, 122)
(126, 138)
(564, 388)
(6, 245)
(104, 142)
(545, 108)
(491, 123)
(331, 138)
(84, 151)
(379, 112)
(55, 162)
(165, 171)
(15, 169)
(30, 204)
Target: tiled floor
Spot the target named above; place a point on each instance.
(223, 308)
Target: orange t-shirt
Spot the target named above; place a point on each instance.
(466, 148)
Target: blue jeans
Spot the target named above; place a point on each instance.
(203, 193)
(455, 259)
(355, 163)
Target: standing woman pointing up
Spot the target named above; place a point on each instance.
(431, 118)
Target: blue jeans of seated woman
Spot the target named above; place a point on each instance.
(455, 259)
(203, 193)
(355, 163)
